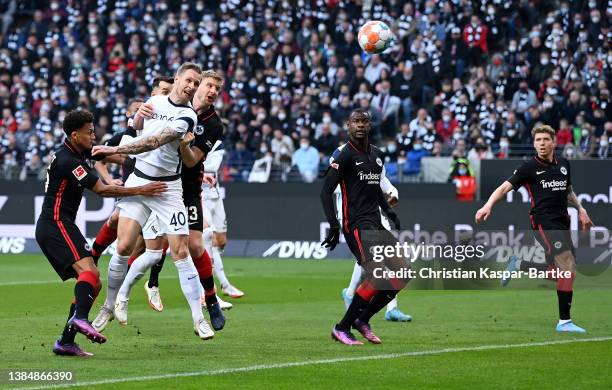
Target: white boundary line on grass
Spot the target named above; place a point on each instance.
(58, 281)
(322, 361)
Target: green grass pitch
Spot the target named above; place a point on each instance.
(480, 339)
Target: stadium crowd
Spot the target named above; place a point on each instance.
(465, 78)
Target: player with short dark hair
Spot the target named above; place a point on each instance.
(548, 181)
(357, 166)
(59, 238)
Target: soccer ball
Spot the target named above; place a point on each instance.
(374, 37)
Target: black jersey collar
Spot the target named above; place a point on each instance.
(544, 162)
(176, 104)
(358, 149)
(71, 147)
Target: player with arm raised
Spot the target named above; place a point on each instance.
(357, 167)
(59, 238)
(193, 149)
(158, 159)
(393, 313)
(548, 181)
(162, 85)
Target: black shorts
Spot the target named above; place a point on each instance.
(361, 239)
(63, 245)
(553, 233)
(195, 216)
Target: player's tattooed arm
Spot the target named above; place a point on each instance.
(583, 216)
(140, 145)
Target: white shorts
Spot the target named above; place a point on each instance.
(151, 230)
(214, 214)
(168, 209)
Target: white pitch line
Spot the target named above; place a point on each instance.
(315, 362)
(27, 282)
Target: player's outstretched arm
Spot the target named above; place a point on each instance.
(151, 189)
(141, 145)
(102, 171)
(498, 194)
(573, 201)
(191, 155)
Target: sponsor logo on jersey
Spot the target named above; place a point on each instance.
(555, 185)
(79, 172)
(539, 172)
(368, 176)
(162, 117)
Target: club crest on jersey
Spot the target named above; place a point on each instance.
(199, 130)
(563, 170)
(79, 172)
(558, 245)
(87, 247)
(379, 161)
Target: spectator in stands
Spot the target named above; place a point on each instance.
(285, 67)
(480, 151)
(239, 162)
(327, 142)
(462, 176)
(306, 159)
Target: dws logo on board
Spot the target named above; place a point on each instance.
(13, 245)
(297, 250)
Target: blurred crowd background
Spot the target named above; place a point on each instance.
(467, 79)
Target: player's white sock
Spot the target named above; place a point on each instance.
(218, 267)
(117, 268)
(561, 322)
(392, 305)
(188, 276)
(138, 268)
(207, 235)
(355, 280)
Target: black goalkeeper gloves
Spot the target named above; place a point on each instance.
(333, 236)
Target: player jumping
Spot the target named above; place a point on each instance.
(157, 160)
(59, 238)
(357, 167)
(209, 128)
(548, 181)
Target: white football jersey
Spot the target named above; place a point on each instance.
(165, 160)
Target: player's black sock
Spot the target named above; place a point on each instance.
(379, 301)
(85, 295)
(69, 331)
(565, 304)
(155, 270)
(209, 285)
(353, 312)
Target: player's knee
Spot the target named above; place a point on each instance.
(221, 240)
(181, 253)
(124, 248)
(566, 262)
